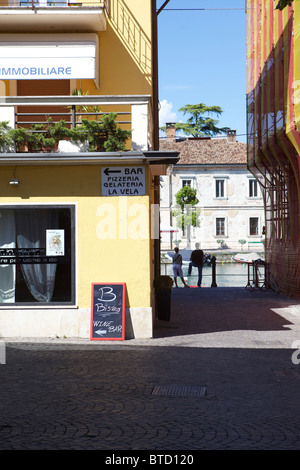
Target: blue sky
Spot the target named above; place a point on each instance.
(202, 59)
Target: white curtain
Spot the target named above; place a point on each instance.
(7, 271)
(31, 233)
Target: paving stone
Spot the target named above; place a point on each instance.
(69, 394)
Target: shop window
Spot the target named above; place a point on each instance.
(37, 255)
(253, 226)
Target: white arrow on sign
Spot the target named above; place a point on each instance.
(101, 332)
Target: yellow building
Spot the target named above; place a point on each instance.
(273, 109)
(78, 215)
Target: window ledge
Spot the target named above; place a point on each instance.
(37, 307)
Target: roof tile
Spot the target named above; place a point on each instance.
(207, 151)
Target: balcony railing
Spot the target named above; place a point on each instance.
(51, 16)
(133, 112)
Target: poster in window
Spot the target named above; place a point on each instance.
(55, 242)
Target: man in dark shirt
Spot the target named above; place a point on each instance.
(196, 261)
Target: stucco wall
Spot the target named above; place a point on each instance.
(112, 244)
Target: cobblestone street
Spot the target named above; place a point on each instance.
(222, 371)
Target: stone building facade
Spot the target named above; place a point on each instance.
(230, 212)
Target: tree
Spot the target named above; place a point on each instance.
(283, 3)
(186, 196)
(186, 213)
(200, 124)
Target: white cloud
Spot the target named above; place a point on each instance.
(166, 114)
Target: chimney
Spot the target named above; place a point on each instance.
(231, 136)
(171, 132)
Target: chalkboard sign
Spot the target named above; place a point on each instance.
(108, 311)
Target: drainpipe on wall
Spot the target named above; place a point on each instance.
(155, 118)
(155, 126)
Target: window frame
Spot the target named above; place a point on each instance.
(223, 180)
(190, 178)
(73, 213)
(257, 227)
(220, 189)
(188, 182)
(253, 188)
(216, 226)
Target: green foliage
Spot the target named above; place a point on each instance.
(40, 137)
(186, 218)
(200, 124)
(283, 3)
(186, 196)
(79, 92)
(35, 139)
(186, 213)
(104, 135)
(4, 136)
(57, 130)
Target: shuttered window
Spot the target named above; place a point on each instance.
(42, 88)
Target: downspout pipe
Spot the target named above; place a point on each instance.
(155, 14)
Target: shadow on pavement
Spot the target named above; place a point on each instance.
(208, 310)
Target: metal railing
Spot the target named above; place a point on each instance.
(133, 112)
(257, 275)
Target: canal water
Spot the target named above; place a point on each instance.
(227, 274)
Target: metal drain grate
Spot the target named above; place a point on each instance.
(179, 390)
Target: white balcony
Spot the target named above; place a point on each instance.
(47, 16)
(133, 112)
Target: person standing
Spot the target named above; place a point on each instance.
(196, 261)
(177, 267)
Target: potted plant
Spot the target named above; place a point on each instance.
(104, 135)
(57, 130)
(33, 139)
(5, 140)
(242, 242)
(223, 244)
(163, 294)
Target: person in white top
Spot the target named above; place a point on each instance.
(177, 267)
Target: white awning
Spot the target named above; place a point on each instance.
(167, 228)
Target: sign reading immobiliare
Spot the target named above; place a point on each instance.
(47, 61)
(123, 181)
